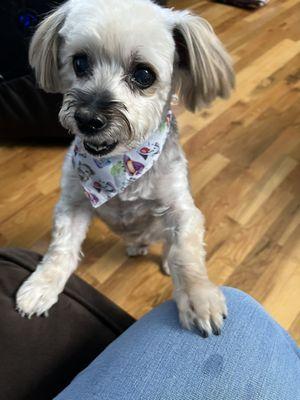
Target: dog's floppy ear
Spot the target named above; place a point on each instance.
(43, 51)
(203, 69)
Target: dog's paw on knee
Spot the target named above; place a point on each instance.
(35, 297)
(202, 308)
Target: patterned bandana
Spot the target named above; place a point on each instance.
(105, 177)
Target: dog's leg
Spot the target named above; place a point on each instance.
(40, 291)
(201, 304)
(165, 269)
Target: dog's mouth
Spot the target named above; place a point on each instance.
(99, 149)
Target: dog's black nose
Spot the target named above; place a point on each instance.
(88, 123)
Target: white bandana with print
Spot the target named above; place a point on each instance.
(105, 177)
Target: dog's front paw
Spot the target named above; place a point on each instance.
(202, 307)
(36, 296)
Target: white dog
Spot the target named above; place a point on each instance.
(118, 64)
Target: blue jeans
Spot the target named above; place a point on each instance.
(155, 359)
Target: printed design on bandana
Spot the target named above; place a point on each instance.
(133, 167)
(85, 172)
(145, 152)
(118, 169)
(106, 186)
(102, 163)
(104, 178)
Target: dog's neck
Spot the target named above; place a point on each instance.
(104, 178)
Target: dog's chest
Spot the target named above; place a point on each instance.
(137, 205)
(129, 216)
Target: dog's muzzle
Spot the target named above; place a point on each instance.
(91, 125)
(100, 119)
(88, 123)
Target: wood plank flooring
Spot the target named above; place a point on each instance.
(244, 157)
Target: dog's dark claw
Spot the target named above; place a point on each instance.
(203, 333)
(217, 331)
(200, 330)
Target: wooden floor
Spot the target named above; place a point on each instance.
(244, 157)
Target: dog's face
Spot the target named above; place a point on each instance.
(117, 63)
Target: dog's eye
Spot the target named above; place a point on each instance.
(81, 65)
(143, 76)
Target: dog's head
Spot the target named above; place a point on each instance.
(117, 64)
